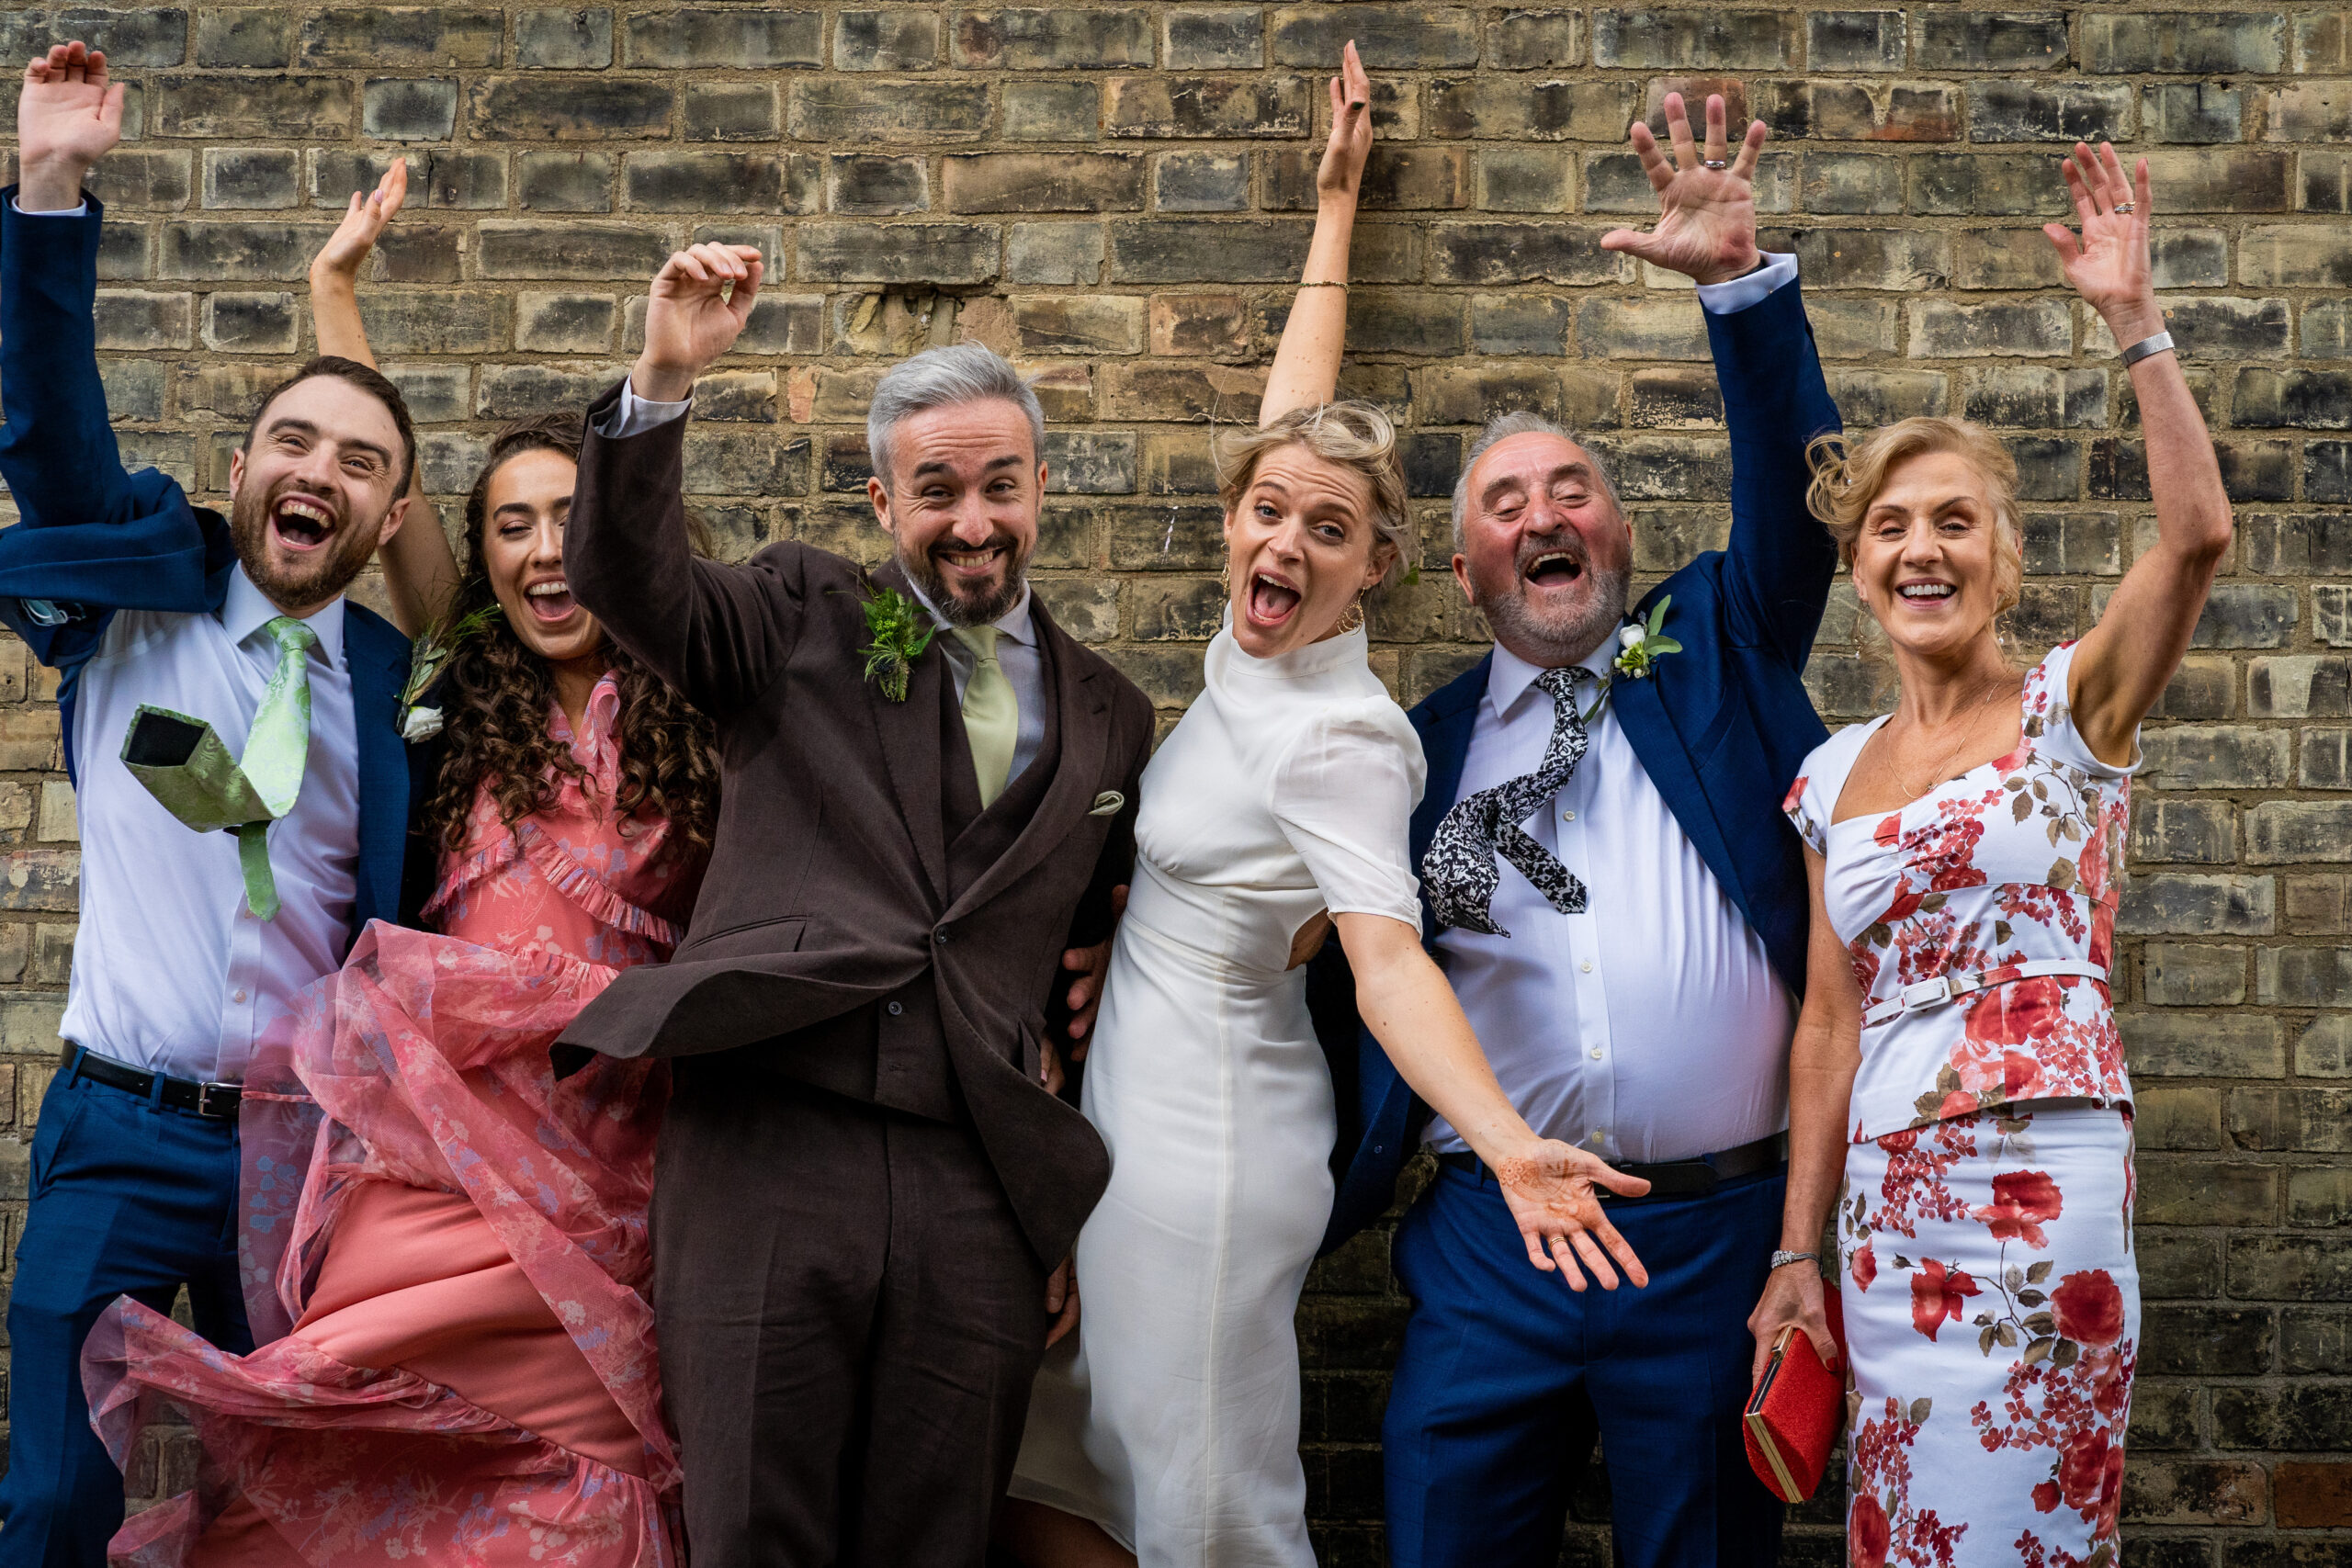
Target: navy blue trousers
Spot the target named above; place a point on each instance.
(128, 1198)
(1505, 1370)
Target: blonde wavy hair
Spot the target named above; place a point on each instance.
(1352, 435)
(1847, 478)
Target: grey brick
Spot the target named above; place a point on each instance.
(1989, 40)
(409, 109)
(1216, 39)
(1534, 41)
(1684, 41)
(252, 176)
(731, 38)
(1200, 182)
(707, 181)
(905, 252)
(545, 109)
(873, 183)
(564, 38)
(733, 111)
(524, 249)
(2184, 42)
(885, 40)
(564, 182)
(1041, 39)
(1855, 40)
(926, 113)
(256, 38)
(1390, 38)
(382, 37)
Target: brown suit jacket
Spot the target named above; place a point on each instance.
(833, 890)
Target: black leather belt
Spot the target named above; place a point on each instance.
(1674, 1178)
(216, 1100)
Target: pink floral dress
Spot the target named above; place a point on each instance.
(449, 1242)
(1991, 1299)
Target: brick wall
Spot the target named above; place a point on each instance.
(1119, 195)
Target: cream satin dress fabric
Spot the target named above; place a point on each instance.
(1170, 1418)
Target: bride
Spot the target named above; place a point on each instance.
(1166, 1429)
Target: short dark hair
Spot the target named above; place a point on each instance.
(369, 379)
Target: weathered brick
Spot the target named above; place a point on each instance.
(1520, 252)
(2239, 179)
(564, 182)
(251, 323)
(2291, 257)
(1200, 182)
(2216, 757)
(259, 37)
(2283, 831)
(250, 177)
(2327, 477)
(1390, 38)
(1987, 185)
(444, 320)
(1212, 324)
(1989, 40)
(1191, 250)
(1855, 40)
(2191, 111)
(520, 248)
(564, 38)
(381, 37)
(1524, 179)
(1943, 329)
(912, 253)
(565, 323)
(731, 38)
(1534, 41)
(404, 108)
(923, 113)
(2308, 543)
(1882, 397)
(2183, 42)
(2314, 1120)
(1225, 107)
(1038, 40)
(704, 182)
(1861, 111)
(1044, 182)
(228, 251)
(2036, 397)
(2180, 975)
(1682, 41)
(1067, 323)
(1214, 40)
(1052, 111)
(1498, 108)
(1054, 253)
(2191, 833)
(2203, 1045)
(885, 40)
(2053, 111)
(1090, 462)
(544, 109)
(223, 108)
(2271, 398)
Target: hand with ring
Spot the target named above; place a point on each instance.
(2109, 265)
(1706, 223)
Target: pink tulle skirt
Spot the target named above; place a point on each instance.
(457, 1242)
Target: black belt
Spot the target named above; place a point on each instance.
(218, 1101)
(1674, 1178)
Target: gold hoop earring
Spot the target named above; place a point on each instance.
(1353, 620)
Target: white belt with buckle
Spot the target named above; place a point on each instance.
(1942, 989)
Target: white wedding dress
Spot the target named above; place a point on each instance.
(1170, 1418)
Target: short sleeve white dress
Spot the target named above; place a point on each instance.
(1170, 1418)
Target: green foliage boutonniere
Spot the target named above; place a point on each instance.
(426, 659)
(901, 629)
(1640, 646)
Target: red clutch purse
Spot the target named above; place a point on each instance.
(1797, 1411)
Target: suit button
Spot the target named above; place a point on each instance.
(939, 937)
(896, 1010)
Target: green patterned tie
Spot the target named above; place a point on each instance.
(184, 765)
(991, 712)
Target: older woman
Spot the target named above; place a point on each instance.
(1167, 1430)
(1957, 1088)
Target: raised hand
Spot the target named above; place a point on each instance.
(700, 299)
(1343, 156)
(363, 220)
(1550, 1191)
(69, 116)
(1706, 220)
(2109, 265)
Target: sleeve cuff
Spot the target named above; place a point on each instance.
(633, 415)
(79, 209)
(1723, 299)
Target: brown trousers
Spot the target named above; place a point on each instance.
(850, 1321)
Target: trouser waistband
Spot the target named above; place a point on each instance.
(1695, 1178)
(217, 1101)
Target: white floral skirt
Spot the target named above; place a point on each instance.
(1993, 1319)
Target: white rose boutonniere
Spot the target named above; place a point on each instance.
(1640, 646)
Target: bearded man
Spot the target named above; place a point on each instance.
(191, 941)
(1619, 903)
(865, 1190)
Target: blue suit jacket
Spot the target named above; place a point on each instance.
(1721, 727)
(94, 540)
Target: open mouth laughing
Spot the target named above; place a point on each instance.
(302, 523)
(1926, 593)
(549, 600)
(1553, 569)
(1272, 600)
(966, 564)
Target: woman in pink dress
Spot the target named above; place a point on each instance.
(448, 1239)
(1957, 1093)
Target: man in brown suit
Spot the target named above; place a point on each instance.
(862, 1192)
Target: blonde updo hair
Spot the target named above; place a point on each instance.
(1848, 478)
(1352, 435)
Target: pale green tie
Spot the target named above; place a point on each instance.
(991, 712)
(184, 764)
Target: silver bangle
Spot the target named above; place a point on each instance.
(1783, 1258)
(2155, 343)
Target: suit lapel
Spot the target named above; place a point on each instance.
(909, 736)
(378, 658)
(1445, 721)
(1640, 708)
(1085, 741)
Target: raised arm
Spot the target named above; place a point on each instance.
(2125, 661)
(1780, 561)
(716, 632)
(420, 569)
(1307, 365)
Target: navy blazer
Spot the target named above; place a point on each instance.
(1720, 726)
(94, 540)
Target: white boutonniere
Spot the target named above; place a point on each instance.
(421, 723)
(1640, 646)
(427, 659)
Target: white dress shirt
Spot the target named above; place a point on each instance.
(1017, 652)
(171, 971)
(1653, 1026)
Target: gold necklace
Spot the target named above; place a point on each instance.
(1968, 717)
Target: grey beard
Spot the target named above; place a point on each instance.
(1570, 641)
(966, 611)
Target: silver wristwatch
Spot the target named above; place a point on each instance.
(1783, 1258)
(2155, 342)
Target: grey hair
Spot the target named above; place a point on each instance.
(943, 377)
(1502, 427)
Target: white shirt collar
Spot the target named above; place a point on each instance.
(1510, 676)
(247, 610)
(1014, 623)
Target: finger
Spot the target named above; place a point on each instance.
(95, 72)
(1763, 1358)
(2087, 170)
(747, 287)
(1715, 127)
(1057, 1288)
(1655, 163)
(2062, 240)
(1338, 111)
(111, 112)
(1567, 1263)
(2140, 190)
(685, 264)
(720, 259)
(2074, 178)
(1622, 1251)
(1359, 80)
(1617, 1181)
(2117, 185)
(1751, 146)
(1677, 131)
(1594, 1260)
(1635, 242)
(1817, 1330)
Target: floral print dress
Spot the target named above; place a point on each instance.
(445, 1245)
(1991, 1297)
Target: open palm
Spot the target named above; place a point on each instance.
(1550, 1197)
(71, 112)
(2108, 267)
(363, 220)
(1706, 222)
(1342, 171)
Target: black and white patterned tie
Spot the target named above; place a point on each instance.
(1459, 871)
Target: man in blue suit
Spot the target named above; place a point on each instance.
(190, 942)
(1622, 911)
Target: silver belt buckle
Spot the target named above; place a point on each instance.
(1926, 993)
(204, 1097)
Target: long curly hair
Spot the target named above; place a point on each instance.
(495, 693)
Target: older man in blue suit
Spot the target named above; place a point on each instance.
(190, 940)
(1621, 909)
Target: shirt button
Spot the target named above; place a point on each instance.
(896, 1010)
(1596, 1052)
(1586, 966)
(1567, 815)
(237, 996)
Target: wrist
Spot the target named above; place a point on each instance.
(1736, 268)
(2129, 323)
(657, 383)
(50, 185)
